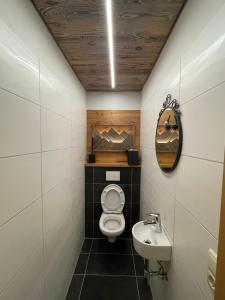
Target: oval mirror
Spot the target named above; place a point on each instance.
(168, 139)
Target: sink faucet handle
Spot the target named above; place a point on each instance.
(156, 218)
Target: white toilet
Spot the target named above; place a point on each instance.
(112, 222)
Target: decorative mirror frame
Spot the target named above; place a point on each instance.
(174, 105)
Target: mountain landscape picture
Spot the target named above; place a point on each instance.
(113, 137)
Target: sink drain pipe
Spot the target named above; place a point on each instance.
(160, 273)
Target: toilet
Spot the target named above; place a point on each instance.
(112, 222)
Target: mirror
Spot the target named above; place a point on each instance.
(168, 139)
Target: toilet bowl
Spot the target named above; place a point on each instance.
(112, 222)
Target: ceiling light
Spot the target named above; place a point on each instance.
(110, 41)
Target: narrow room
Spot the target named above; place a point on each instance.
(112, 145)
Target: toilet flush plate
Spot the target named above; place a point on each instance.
(112, 175)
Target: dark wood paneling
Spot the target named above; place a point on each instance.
(141, 30)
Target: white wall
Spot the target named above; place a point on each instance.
(114, 100)
(191, 68)
(42, 111)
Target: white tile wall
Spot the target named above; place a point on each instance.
(55, 168)
(42, 118)
(19, 66)
(18, 240)
(28, 282)
(191, 68)
(199, 190)
(114, 100)
(20, 178)
(19, 125)
(55, 131)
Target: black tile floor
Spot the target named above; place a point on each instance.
(108, 272)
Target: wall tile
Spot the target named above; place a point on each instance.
(28, 283)
(89, 171)
(56, 131)
(195, 186)
(203, 123)
(136, 193)
(55, 168)
(19, 66)
(203, 64)
(136, 175)
(56, 210)
(78, 127)
(201, 194)
(19, 125)
(20, 183)
(192, 238)
(19, 239)
(89, 193)
(100, 175)
(53, 90)
(25, 47)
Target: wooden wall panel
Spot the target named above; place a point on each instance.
(114, 117)
(220, 275)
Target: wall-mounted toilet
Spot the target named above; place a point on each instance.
(112, 222)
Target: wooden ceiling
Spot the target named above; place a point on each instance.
(141, 28)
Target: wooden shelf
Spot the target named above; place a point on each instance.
(112, 164)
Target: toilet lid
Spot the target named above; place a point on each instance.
(112, 198)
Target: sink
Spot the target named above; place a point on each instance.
(149, 243)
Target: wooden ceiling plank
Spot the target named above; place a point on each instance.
(141, 28)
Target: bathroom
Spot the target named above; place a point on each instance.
(90, 208)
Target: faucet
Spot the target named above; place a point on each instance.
(153, 219)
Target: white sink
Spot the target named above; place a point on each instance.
(149, 243)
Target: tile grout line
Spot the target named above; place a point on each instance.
(110, 253)
(109, 275)
(85, 271)
(93, 207)
(131, 207)
(135, 273)
(42, 190)
(20, 211)
(195, 98)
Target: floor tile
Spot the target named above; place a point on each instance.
(121, 246)
(144, 289)
(86, 246)
(139, 265)
(81, 264)
(109, 288)
(110, 264)
(75, 287)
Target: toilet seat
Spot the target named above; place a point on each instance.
(112, 199)
(112, 222)
(112, 225)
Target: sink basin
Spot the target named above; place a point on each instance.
(149, 243)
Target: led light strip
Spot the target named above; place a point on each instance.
(110, 41)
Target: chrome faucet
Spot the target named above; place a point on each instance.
(153, 219)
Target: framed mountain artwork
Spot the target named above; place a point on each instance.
(116, 137)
